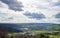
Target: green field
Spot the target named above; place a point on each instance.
(46, 34)
(41, 31)
(51, 35)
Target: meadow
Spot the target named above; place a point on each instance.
(51, 34)
(38, 34)
(34, 31)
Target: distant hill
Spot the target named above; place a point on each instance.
(24, 24)
(32, 26)
(8, 29)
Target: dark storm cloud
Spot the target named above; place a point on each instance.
(57, 15)
(13, 4)
(34, 15)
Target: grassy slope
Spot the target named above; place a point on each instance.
(41, 31)
(44, 31)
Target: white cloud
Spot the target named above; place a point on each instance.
(54, 0)
(44, 6)
(10, 16)
(38, 6)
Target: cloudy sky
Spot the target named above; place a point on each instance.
(30, 11)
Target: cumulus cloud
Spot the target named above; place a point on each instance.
(48, 8)
(44, 6)
(13, 4)
(57, 15)
(35, 11)
(56, 3)
(34, 15)
(10, 16)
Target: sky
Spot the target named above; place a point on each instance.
(30, 11)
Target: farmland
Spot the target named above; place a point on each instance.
(38, 34)
(31, 30)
